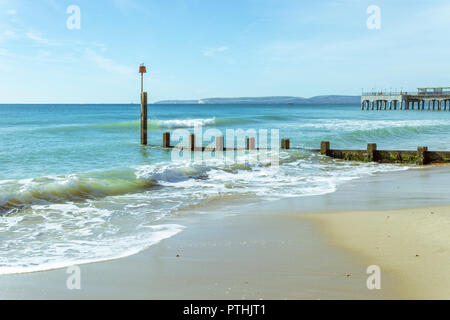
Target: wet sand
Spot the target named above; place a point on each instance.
(273, 251)
(238, 257)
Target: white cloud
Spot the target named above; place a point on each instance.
(108, 64)
(8, 34)
(11, 12)
(212, 51)
(35, 37)
(124, 5)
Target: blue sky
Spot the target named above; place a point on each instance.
(209, 48)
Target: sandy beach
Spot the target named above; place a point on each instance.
(238, 257)
(296, 251)
(413, 244)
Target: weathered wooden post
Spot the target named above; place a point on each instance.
(166, 139)
(192, 142)
(142, 70)
(372, 152)
(325, 148)
(285, 144)
(251, 143)
(422, 155)
(144, 118)
(220, 143)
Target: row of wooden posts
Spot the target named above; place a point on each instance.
(421, 156)
(220, 145)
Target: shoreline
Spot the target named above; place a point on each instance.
(278, 250)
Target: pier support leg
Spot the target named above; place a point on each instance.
(373, 105)
(144, 118)
(325, 148)
(220, 143)
(372, 152)
(439, 105)
(429, 105)
(422, 155)
(166, 139)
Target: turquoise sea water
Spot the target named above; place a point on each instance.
(76, 186)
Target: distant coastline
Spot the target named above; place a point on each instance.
(327, 99)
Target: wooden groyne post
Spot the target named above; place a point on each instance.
(285, 144)
(251, 143)
(192, 142)
(372, 154)
(144, 118)
(220, 143)
(142, 70)
(422, 155)
(166, 139)
(325, 148)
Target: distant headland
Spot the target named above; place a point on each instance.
(329, 99)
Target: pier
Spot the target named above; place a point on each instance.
(435, 99)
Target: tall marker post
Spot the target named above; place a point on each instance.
(142, 70)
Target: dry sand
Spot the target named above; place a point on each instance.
(412, 244)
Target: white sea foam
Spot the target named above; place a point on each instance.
(345, 125)
(55, 235)
(185, 123)
(68, 251)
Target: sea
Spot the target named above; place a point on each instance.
(77, 187)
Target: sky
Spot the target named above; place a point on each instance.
(197, 49)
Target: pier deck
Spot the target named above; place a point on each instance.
(424, 99)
